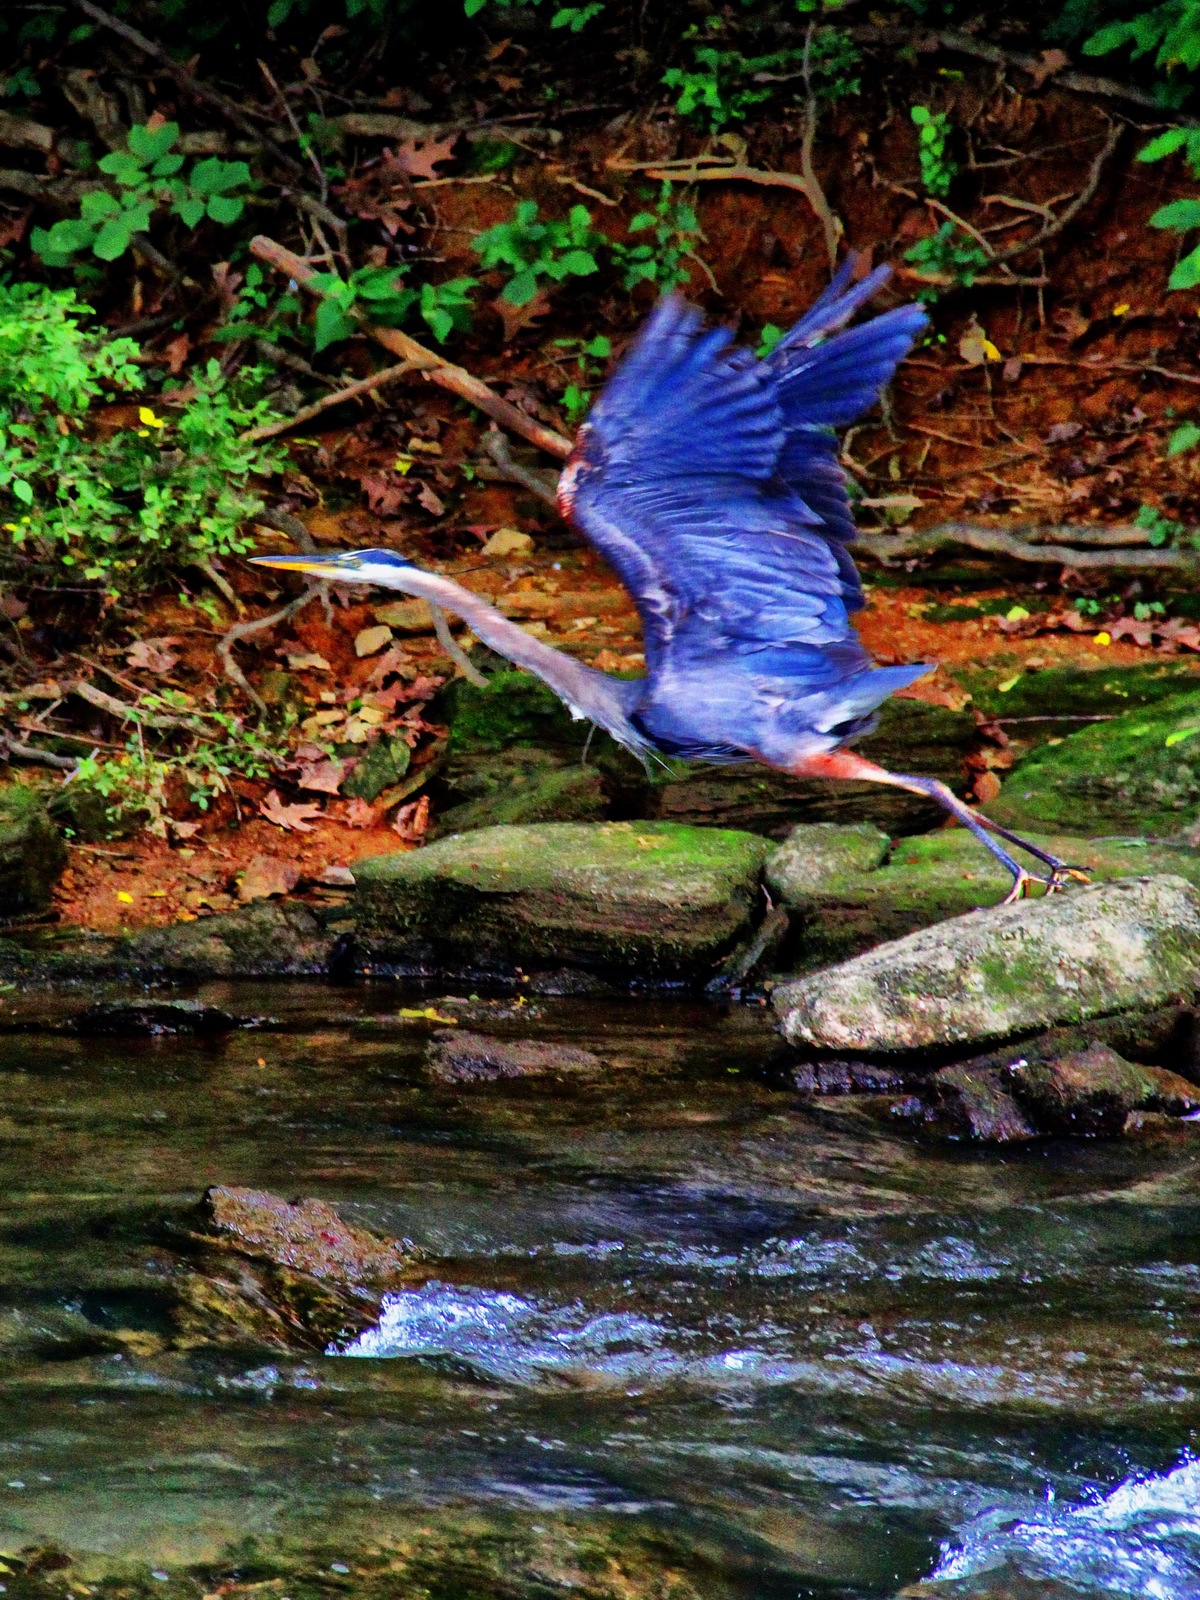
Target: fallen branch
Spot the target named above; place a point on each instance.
(454, 650)
(434, 367)
(246, 630)
(889, 548)
(1066, 216)
(285, 522)
(831, 225)
(120, 708)
(538, 483)
(15, 750)
(351, 391)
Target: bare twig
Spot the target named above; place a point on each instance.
(285, 522)
(1068, 214)
(220, 583)
(541, 484)
(454, 650)
(830, 224)
(351, 391)
(444, 373)
(887, 548)
(246, 630)
(120, 708)
(15, 750)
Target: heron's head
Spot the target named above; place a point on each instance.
(352, 566)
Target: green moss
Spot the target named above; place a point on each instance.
(32, 853)
(1077, 691)
(1138, 773)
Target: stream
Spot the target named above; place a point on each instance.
(683, 1337)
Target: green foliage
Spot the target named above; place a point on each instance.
(938, 167)
(1169, 31)
(1161, 530)
(949, 253)
(119, 508)
(532, 250)
(767, 340)
(147, 179)
(659, 260)
(1185, 437)
(590, 356)
(383, 298)
(573, 18)
(723, 86)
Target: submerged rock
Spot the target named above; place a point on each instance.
(1093, 1091)
(267, 939)
(636, 898)
(32, 852)
(131, 1017)
(974, 1103)
(460, 1057)
(1138, 773)
(1125, 946)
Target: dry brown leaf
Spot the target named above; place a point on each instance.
(1046, 65)
(987, 787)
(322, 777)
(359, 814)
(153, 655)
(433, 504)
(176, 353)
(412, 821)
(266, 876)
(369, 641)
(297, 817)
(308, 661)
(515, 318)
(418, 159)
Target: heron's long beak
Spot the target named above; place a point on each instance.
(345, 567)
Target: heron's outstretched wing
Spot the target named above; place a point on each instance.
(709, 480)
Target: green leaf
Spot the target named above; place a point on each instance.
(148, 144)
(22, 491)
(1108, 39)
(330, 324)
(189, 211)
(644, 219)
(1187, 272)
(279, 12)
(920, 115)
(1185, 437)
(520, 290)
(226, 208)
(166, 166)
(578, 263)
(97, 205)
(214, 176)
(113, 238)
(473, 7)
(1179, 216)
(1165, 144)
(126, 169)
(440, 322)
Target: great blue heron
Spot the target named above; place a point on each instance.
(709, 480)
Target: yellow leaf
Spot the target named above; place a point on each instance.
(429, 1014)
(124, 897)
(1179, 736)
(1009, 683)
(1121, 310)
(402, 465)
(1015, 614)
(1103, 637)
(147, 418)
(990, 352)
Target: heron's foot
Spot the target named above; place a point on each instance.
(1052, 882)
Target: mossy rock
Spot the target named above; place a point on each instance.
(639, 899)
(1077, 691)
(384, 763)
(32, 852)
(518, 786)
(1136, 774)
(1007, 972)
(842, 910)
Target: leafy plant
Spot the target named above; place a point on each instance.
(147, 178)
(384, 298)
(559, 248)
(948, 253)
(575, 18)
(1160, 529)
(724, 86)
(673, 227)
(590, 356)
(1170, 31)
(938, 167)
(118, 508)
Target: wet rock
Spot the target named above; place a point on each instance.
(844, 1077)
(1089, 1092)
(974, 1103)
(32, 852)
(267, 939)
(461, 1057)
(520, 786)
(816, 854)
(1138, 773)
(1170, 1093)
(648, 899)
(132, 1017)
(1130, 945)
(384, 763)
(292, 1274)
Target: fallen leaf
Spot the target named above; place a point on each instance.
(428, 1014)
(322, 777)
(987, 787)
(336, 877)
(183, 830)
(266, 876)
(308, 661)
(418, 159)
(508, 542)
(412, 821)
(515, 318)
(1046, 65)
(176, 353)
(153, 655)
(1061, 432)
(407, 616)
(297, 817)
(426, 497)
(370, 641)
(124, 897)
(360, 814)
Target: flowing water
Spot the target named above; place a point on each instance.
(683, 1336)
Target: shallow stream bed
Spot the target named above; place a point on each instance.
(682, 1338)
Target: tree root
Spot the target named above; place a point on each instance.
(1038, 545)
(351, 391)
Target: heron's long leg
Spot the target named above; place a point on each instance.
(844, 764)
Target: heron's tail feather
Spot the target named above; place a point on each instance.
(831, 384)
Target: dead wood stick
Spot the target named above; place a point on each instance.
(120, 708)
(831, 225)
(454, 650)
(438, 370)
(228, 108)
(15, 750)
(246, 630)
(966, 44)
(887, 548)
(1068, 214)
(538, 483)
(351, 391)
(285, 522)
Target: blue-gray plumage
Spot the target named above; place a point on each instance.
(709, 480)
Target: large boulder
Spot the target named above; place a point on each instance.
(1138, 773)
(636, 898)
(849, 891)
(1124, 946)
(517, 786)
(32, 852)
